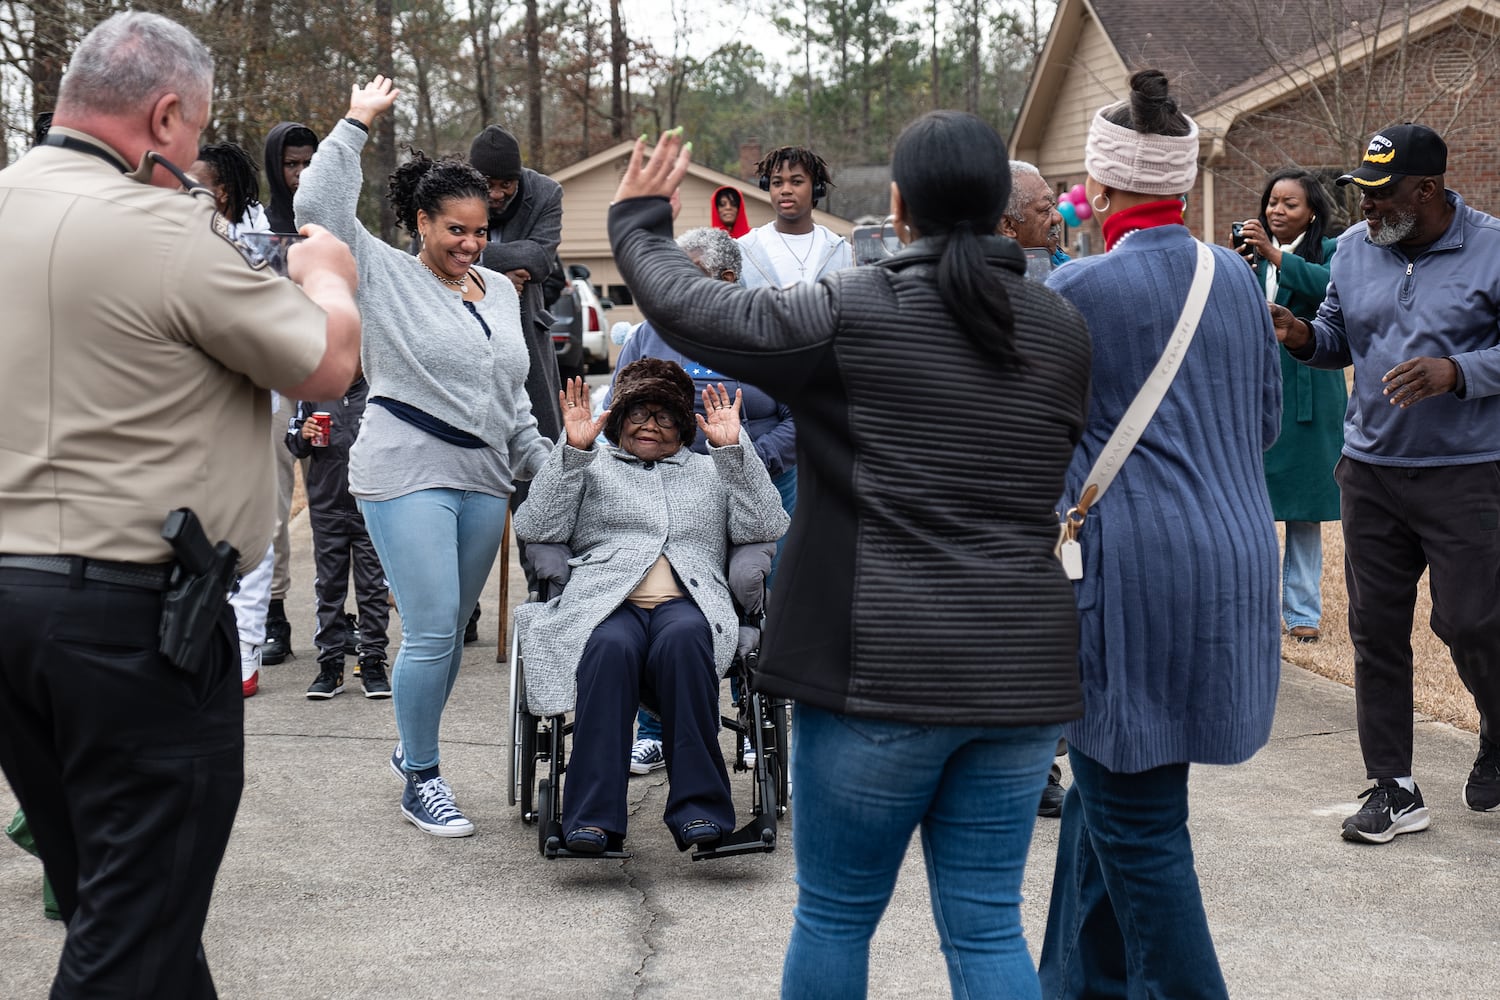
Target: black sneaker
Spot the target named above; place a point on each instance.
(471, 630)
(329, 682)
(1389, 809)
(1052, 795)
(1482, 790)
(278, 644)
(351, 636)
(373, 676)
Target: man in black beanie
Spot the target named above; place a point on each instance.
(525, 229)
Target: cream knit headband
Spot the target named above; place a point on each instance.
(1125, 160)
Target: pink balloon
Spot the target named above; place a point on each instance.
(1077, 195)
(1082, 210)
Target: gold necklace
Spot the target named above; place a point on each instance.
(462, 284)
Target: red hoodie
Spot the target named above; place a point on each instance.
(741, 224)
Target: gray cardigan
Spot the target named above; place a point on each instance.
(421, 346)
(618, 514)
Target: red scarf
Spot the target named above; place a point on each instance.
(741, 223)
(1148, 216)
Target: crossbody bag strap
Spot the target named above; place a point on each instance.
(1143, 407)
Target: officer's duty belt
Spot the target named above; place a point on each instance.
(124, 574)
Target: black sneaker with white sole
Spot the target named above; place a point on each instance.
(373, 676)
(1389, 809)
(1482, 790)
(328, 683)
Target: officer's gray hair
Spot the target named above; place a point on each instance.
(1016, 207)
(717, 249)
(130, 60)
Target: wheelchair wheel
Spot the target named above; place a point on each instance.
(523, 737)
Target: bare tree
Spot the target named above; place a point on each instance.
(533, 33)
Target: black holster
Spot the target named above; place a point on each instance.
(201, 582)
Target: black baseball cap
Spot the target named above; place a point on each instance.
(1400, 151)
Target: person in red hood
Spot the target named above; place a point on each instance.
(728, 212)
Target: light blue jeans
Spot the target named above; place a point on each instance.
(437, 547)
(1302, 574)
(863, 786)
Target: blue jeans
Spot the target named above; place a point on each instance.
(863, 786)
(1302, 574)
(1126, 917)
(437, 547)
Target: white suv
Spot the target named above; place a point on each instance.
(579, 333)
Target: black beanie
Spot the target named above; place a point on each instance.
(496, 154)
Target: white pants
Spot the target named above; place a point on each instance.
(250, 603)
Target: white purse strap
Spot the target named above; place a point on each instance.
(1120, 444)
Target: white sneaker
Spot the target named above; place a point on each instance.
(646, 756)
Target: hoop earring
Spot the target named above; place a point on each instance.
(1095, 202)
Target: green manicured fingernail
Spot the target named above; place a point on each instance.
(687, 147)
(643, 137)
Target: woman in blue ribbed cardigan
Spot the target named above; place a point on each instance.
(1179, 637)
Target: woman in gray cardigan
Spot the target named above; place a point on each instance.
(448, 427)
(647, 610)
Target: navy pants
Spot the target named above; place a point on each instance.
(666, 657)
(129, 771)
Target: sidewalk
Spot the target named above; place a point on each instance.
(327, 892)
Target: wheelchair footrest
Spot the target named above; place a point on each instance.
(555, 851)
(757, 837)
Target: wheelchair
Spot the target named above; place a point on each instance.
(539, 743)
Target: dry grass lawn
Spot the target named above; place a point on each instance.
(1439, 693)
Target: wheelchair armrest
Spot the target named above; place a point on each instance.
(749, 565)
(549, 560)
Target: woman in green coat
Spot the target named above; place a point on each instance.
(1286, 246)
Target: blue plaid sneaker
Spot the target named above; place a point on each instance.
(429, 806)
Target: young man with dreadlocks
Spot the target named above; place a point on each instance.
(228, 170)
(792, 249)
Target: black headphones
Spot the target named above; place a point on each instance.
(820, 190)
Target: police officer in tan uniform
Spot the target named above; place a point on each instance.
(140, 345)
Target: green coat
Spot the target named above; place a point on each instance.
(1299, 466)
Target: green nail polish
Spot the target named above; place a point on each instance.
(688, 147)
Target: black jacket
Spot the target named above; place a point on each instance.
(918, 581)
(328, 471)
(279, 196)
(526, 235)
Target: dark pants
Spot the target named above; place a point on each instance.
(1126, 917)
(339, 544)
(665, 655)
(129, 771)
(1399, 522)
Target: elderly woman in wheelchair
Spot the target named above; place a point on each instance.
(647, 614)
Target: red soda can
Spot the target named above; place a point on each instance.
(324, 420)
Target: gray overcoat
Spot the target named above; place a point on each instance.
(618, 514)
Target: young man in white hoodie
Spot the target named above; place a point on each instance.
(792, 249)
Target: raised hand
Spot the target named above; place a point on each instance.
(579, 423)
(721, 426)
(372, 100)
(662, 173)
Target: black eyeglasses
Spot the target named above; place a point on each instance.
(640, 413)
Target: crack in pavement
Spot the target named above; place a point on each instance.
(642, 884)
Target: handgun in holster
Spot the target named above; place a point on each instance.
(201, 583)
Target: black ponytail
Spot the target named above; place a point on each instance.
(945, 166)
(423, 184)
(1151, 110)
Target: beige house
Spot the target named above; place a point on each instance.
(1270, 86)
(589, 187)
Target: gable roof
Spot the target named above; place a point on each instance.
(1225, 58)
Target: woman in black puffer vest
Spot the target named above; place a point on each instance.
(919, 619)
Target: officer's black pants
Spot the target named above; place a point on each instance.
(1397, 523)
(667, 655)
(129, 771)
(340, 543)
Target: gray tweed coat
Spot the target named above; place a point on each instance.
(618, 514)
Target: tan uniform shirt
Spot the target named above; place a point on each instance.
(136, 351)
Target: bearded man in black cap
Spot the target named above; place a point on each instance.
(1414, 306)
